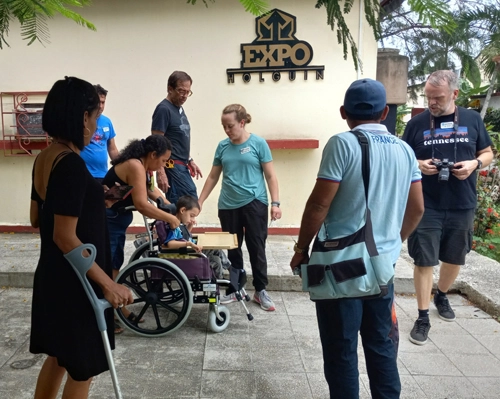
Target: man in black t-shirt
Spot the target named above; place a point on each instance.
(170, 119)
(444, 133)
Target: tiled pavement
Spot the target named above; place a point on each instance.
(277, 355)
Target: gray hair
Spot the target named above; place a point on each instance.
(438, 77)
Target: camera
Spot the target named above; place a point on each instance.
(444, 168)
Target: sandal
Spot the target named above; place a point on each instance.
(118, 329)
(133, 318)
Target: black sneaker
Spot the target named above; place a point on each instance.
(445, 311)
(420, 331)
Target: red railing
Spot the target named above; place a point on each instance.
(21, 121)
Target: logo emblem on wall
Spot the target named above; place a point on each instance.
(275, 50)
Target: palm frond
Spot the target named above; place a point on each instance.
(33, 15)
(65, 12)
(434, 13)
(335, 17)
(5, 17)
(255, 7)
(35, 28)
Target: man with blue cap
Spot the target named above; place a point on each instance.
(336, 208)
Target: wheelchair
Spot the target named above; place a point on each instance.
(166, 283)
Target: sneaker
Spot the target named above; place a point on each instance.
(264, 300)
(445, 311)
(225, 299)
(420, 331)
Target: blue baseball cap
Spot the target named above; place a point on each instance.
(364, 98)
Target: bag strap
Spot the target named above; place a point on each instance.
(365, 160)
(365, 170)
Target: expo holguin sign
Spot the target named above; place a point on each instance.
(275, 50)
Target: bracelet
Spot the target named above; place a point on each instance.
(276, 203)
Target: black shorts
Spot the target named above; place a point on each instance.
(442, 235)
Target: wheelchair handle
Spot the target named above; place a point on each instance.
(169, 208)
(81, 266)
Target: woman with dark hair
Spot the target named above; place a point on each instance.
(134, 166)
(68, 206)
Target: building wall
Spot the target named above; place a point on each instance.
(139, 43)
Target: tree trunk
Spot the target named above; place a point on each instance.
(490, 90)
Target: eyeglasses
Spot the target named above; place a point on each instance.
(184, 93)
(169, 164)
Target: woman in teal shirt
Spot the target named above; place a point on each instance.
(245, 161)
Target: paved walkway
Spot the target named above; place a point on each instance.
(277, 355)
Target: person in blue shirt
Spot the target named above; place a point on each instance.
(246, 164)
(336, 208)
(102, 143)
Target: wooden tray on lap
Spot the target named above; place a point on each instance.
(217, 240)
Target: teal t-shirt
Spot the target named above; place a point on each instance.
(242, 173)
(393, 167)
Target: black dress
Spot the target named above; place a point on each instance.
(63, 323)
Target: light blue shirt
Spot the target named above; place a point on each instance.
(95, 154)
(242, 173)
(393, 167)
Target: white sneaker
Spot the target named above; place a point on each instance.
(225, 299)
(264, 300)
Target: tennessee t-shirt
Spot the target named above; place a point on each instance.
(470, 137)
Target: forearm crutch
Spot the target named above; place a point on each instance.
(81, 264)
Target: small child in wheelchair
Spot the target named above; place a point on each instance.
(187, 211)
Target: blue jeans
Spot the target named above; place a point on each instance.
(117, 226)
(181, 183)
(339, 322)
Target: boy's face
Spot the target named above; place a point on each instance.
(188, 216)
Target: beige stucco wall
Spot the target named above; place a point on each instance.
(139, 43)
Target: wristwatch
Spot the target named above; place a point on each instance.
(479, 164)
(276, 203)
(300, 250)
(190, 160)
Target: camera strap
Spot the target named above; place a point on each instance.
(433, 133)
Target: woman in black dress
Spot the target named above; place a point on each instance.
(68, 206)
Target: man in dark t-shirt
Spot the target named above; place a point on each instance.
(170, 119)
(441, 135)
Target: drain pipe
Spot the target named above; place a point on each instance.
(360, 35)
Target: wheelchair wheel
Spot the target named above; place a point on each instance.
(142, 251)
(162, 297)
(215, 324)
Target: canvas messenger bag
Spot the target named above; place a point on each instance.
(349, 267)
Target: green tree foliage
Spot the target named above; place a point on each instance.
(33, 15)
(336, 12)
(255, 7)
(467, 47)
(492, 118)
